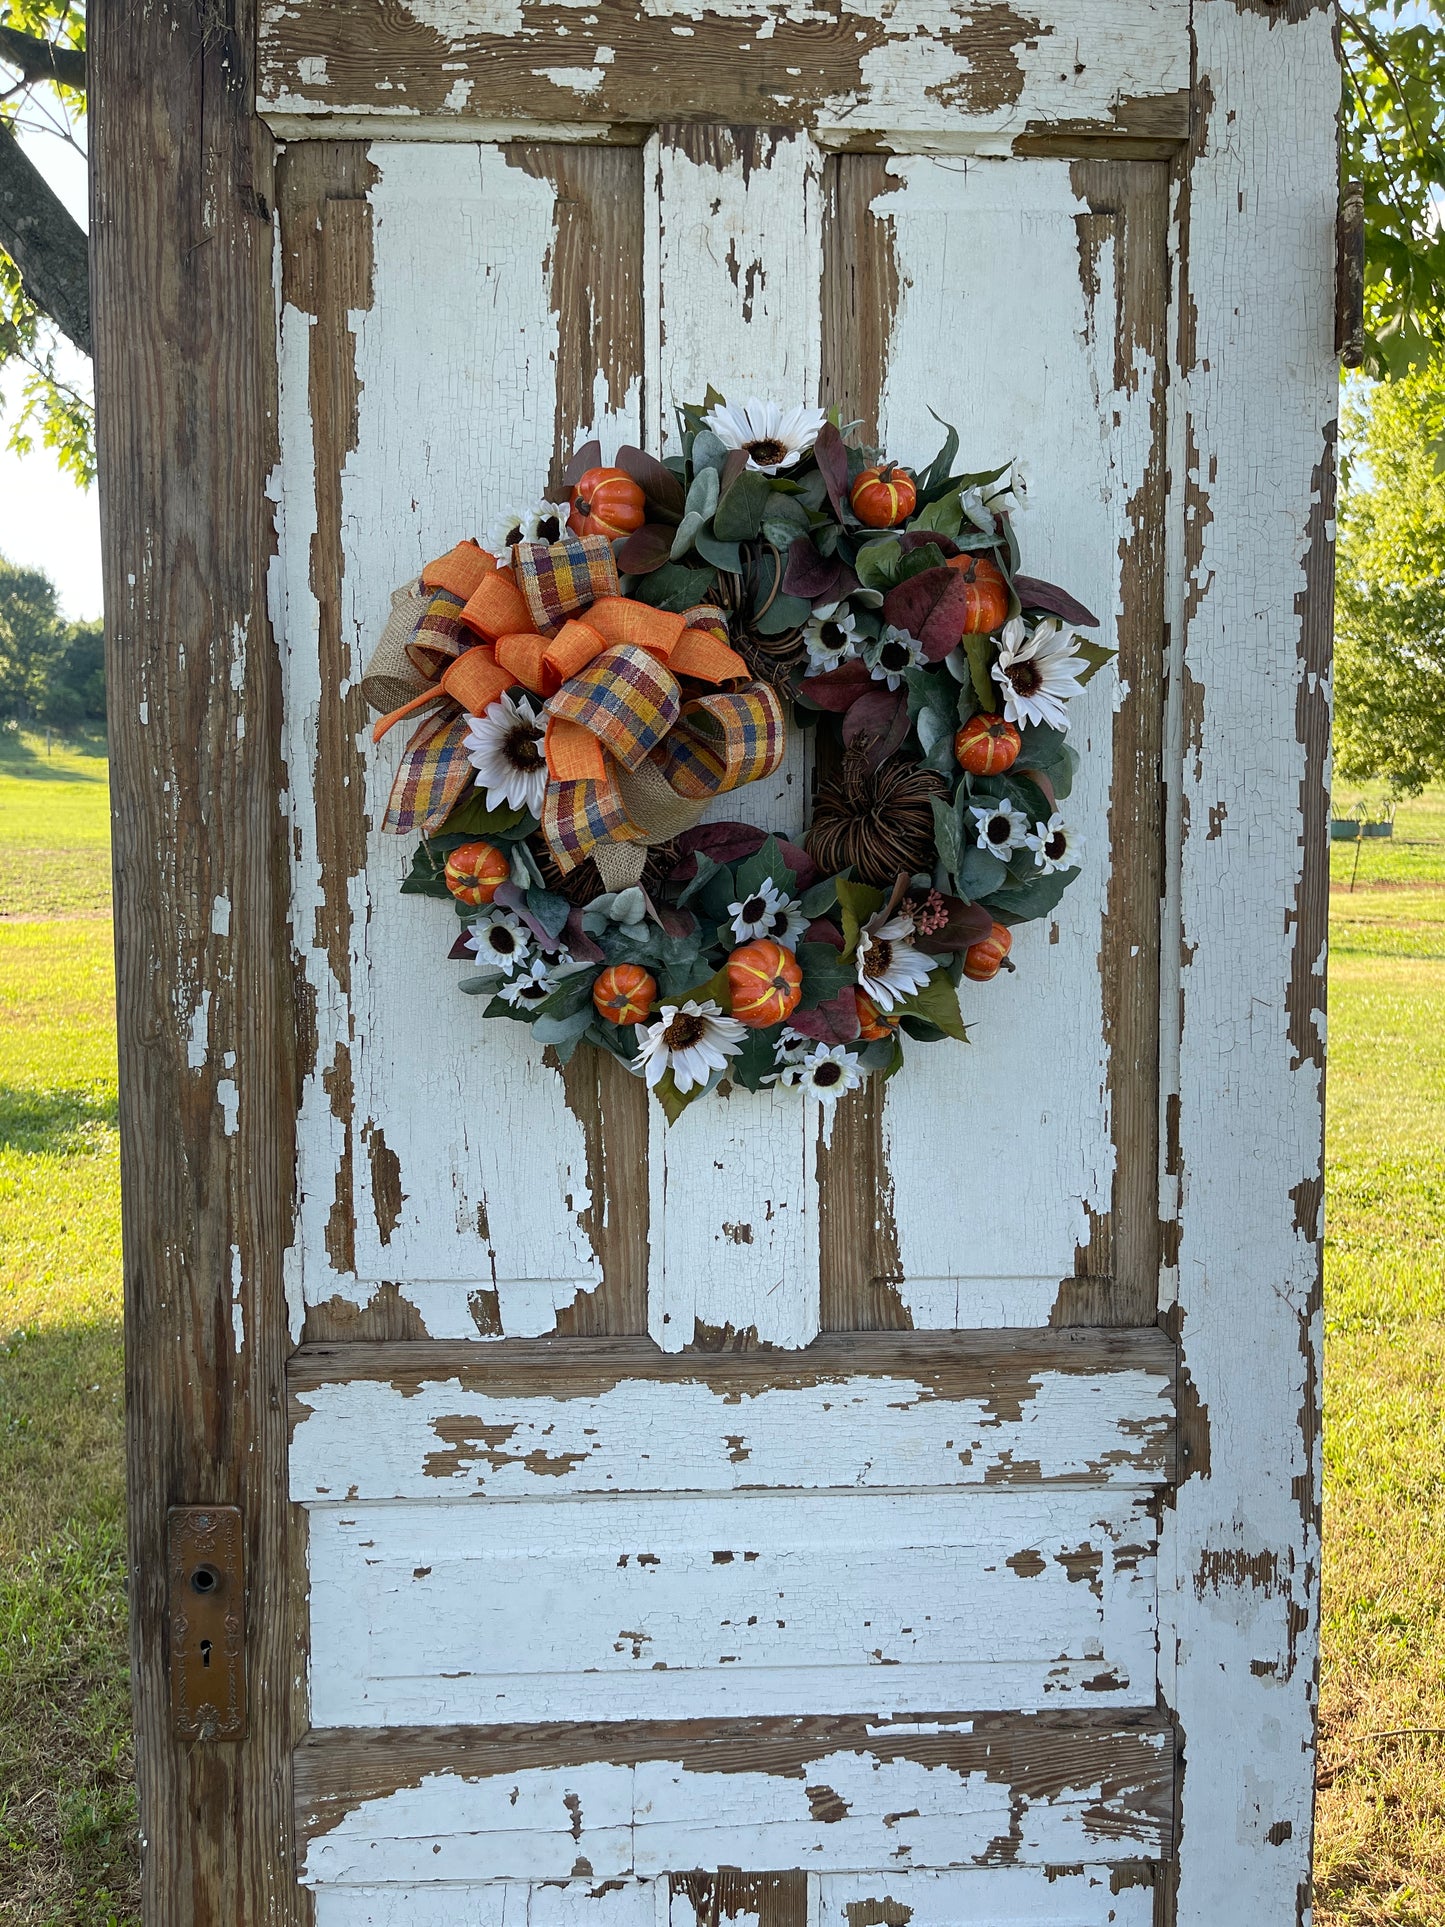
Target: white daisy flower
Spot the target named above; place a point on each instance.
(827, 1072)
(1002, 829)
(504, 747)
(1037, 673)
(530, 983)
(768, 913)
(982, 504)
(889, 968)
(543, 522)
(893, 652)
(774, 436)
(500, 940)
(831, 636)
(1055, 845)
(788, 1054)
(691, 1040)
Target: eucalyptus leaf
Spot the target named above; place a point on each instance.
(674, 587)
(687, 529)
(479, 984)
(707, 453)
(979, 873)
(722, 555)
(564, 1033)
(702, 496)
(739, 514)
(784, 613)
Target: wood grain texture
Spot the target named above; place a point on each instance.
(1114, 67)
(1257, 393)
(185, 376)
(834, 1794)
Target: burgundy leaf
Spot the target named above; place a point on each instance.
(657, 482)
(461, 950)
(645, 549)
(800, 863)
(1037, 776)
(723, 842)
(735, 461)
(676, 923)
(830, 452)
(933, 607)
(967, 923)
(577, 940)
(920, 539)
(589, 455)
(835, 1022)
(836, 689)
(1054, 601)
(874, 713)
(810, 574)
(824, 930)
(511, 897)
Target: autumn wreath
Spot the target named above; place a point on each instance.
(589, 679)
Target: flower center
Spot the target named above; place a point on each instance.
(1025, 677)
(520, 747)
(767, 451)
(685, 1029)
(502, 940)
(533, 993)
(833, 635)
(1056, 846)
(778, 925)
(514, 535)
(999, 829)
(549, 529)
(893, 655)
(827, 1074)
(754, 908)
(880, 956)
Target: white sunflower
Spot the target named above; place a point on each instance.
(1001, 828)
(831, 636)
(1037, 672)
(768, 913)
(893, 652)
(1055, 845)
(531, 983)
(982, 503)
(889, 968)
(543, 522)
(504, 747)
(501, 941)
(774, 437)
(691, 1040)
(828, 1072)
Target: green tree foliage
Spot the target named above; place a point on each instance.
(1390, 587)
(51, 670)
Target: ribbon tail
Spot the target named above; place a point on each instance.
(433, 775)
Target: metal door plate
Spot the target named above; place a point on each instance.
(207, 1622)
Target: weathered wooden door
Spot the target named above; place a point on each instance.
(908, 1521)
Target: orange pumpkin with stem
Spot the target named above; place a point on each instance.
(624, 994)
(884, 497)
(987, 745)
(765, 982)
(985, 959)
(476, 871)
(872, 1024)
(606, 501)
(986, 606)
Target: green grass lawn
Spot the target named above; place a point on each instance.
(67, 1844)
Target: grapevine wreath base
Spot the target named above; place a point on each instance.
(586, 682)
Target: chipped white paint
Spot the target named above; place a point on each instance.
(365, 1439)
(238, 1313)
(995, 1897)
(922, 79)
(228, 1096)
(1258, 397)
(845, 1810)
(580, 1903)
(745, 1604)
(198, 1032)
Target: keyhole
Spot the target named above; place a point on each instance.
(205, 1652)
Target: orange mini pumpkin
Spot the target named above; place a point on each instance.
(606, 501)
(476, 871)
(985, 959)
(624, 994)
(872, 1024)
(884, 497)
(986, 607)
(987, 745)
(765, 983)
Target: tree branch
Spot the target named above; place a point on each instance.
(41, 59)
(44, 241)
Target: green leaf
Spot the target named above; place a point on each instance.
(427, 876)
(936, 1003)
(739, 514)
(757, 1058)
(708, 453)
(979, 873)
(564, 1034)
(573, 994)
(703, 495)
(858, 902)
(767, 861)
(674, 587)
(670, 1098)
(980, 653)
(687, 529)
(1022, 902)
(946, 837)
(826, 971)
(1095, 655)
(818, 901)
(717, 988)
(550, 909)
(473, 817)
(786, 612)
(936, 475)
(877, 563)
(942, 517)
(722, 555)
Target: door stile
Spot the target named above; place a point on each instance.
(186, 387)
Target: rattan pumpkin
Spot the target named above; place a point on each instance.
(879, 821)
(476, 871)
(624, 994)
(764, 983)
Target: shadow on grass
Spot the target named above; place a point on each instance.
(27, 758)
(64, 1123)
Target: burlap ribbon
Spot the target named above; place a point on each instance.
(632, 761)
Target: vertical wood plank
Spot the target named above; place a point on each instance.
(737, 247)
(1258, 391)
(186, 385)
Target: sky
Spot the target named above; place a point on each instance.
(46, 522)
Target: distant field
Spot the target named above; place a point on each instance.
(54, 827)
(1415, 853)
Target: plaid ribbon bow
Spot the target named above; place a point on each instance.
(631, 759)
